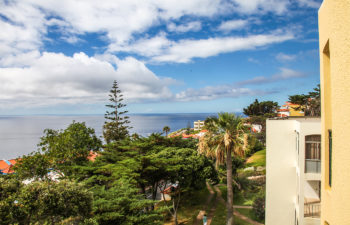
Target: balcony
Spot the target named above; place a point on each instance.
(312, 211)
(312, 166)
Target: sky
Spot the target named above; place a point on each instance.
(168, 56)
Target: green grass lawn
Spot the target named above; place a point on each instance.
(220, 217)
(239, 198)
(250, 214)
(257, 159)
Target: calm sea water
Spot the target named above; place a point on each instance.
(20, 135)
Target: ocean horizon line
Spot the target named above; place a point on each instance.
(96, 114)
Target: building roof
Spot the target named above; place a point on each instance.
(296, 118)
(6, 166)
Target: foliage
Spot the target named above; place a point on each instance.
(258, 112)
(166, 129)
(254, 145)
(257, 159)
(259, 206)
(123, 204)
(58, 150)
(186, 171)
(72, 145)
(44, 202)
(237, 162)
(8, 190)
(309, 103)
(34, 165)
(188, 128)
(261, 108)
(225, 137)
(123, 180)
(116, 127)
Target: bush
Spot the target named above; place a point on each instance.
(259, 206)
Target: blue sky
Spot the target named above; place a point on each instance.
(61, 57)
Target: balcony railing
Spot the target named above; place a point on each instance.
(312, 209)
(312, 166)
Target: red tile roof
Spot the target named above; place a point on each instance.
(6, 166)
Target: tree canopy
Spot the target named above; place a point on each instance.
(264, 108)
(309, 103)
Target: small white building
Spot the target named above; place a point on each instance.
(293, 171)
(198, 125)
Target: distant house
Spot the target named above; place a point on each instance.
(6, 166)
(293, 171)
(198, 125)
(288, 109)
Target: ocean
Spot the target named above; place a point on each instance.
(19, 135)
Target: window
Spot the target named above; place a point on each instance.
(330, 158)
(313, 154)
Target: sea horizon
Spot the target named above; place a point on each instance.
(20, 134)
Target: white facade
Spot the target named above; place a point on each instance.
(293, 171)
(198, 125)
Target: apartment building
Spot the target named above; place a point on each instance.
(334, 46)
(198, 125)
(293, 171)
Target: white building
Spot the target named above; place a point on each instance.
(293, 169)
(198, 125)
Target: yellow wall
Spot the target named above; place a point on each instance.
(293, 112)
(334, 35)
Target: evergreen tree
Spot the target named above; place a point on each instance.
(310, 103)
(258, 112)
(115, 128)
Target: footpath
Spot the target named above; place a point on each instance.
(220, 199)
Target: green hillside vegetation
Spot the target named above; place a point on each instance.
(257, 159)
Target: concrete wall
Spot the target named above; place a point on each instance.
(334, 36)
(281, 178)
(285, 159)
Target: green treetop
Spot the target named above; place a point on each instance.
(115, 128)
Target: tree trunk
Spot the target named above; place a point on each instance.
(229, 203)
(154, 193)
(175, 212)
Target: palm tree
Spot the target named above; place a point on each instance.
(225, 137)
(166, 129)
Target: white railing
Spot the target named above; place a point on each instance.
(312, 209)
(312, 166)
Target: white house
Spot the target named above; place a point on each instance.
(293, 171)
(198, 125)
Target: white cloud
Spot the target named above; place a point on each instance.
(55, 78)
(284, 74)
(237, 89)
(22, 30)
(160, 49)
(285, 57)
(261, 6)
(233, 25)
(310, 3)
(191, 26)
(119, 21)
(215, 92)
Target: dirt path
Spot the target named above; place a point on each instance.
(242, 207)
(243, 217)
(199, 220)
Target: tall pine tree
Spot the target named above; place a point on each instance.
(116, 127)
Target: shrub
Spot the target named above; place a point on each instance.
(259, 206)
